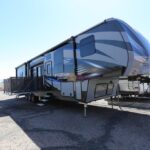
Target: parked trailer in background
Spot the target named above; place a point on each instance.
(88, 66)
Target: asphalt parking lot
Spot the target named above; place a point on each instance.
(62, 126)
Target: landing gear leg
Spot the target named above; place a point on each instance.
(112, 104)
(119, 102)
(85, 107)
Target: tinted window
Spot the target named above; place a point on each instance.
(49, 69)
(37, 71)
(68, 58)
(110, 88)
(40, 71)
(87, 46)
(58, 61)
(58, 56)
(34, 72)
(100, 90)
(21, 71)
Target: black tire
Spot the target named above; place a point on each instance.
(34, 98)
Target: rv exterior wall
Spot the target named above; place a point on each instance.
(88, 66)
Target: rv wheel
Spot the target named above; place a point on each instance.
(33, 98)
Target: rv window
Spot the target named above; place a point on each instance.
(87, 46)
(100, 90)
(40, 71)
(21, 71)
(49, 71)
(37, 71)
(110, 88)
(34, 72)
(68, 58)
(58, 56)
(58, 61)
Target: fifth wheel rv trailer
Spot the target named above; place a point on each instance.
(88, 66)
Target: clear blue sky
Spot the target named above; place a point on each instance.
(29, 27)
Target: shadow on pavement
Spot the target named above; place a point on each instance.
(61, 125)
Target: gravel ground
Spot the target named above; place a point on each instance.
(61, 126)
